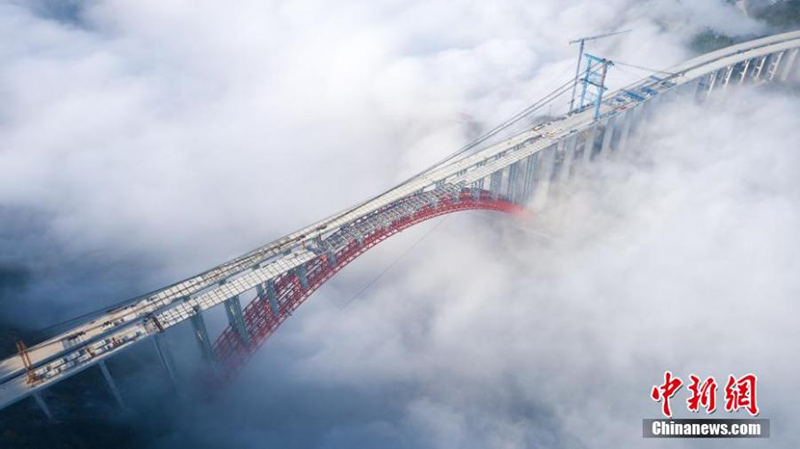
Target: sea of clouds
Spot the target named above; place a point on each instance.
(141, 142)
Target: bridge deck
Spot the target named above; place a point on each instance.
(85, 345)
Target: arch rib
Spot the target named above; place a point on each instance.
(260, 321)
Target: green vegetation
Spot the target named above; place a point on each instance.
(784, 15)
(779, 16)
(710, 40)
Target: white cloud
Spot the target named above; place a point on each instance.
(182, 134)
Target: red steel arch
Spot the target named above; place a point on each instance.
(230, 353)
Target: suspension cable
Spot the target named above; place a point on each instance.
(516, 118)
(646, 69)
(527, 111)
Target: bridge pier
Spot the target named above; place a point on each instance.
(37, 395)
(270, 294)
(773, 62)
(712, 82)
(331, 256)
(688, 89)
(605, 147)
(558, 161)
(575, 155)
(647, 113)
(112, 386)
(567, 157)
(626, 128)
(638, 118)
(588, 145)
(495, 183)
(354, 233)
(165, 356)
(743, 73)
(530, 173)
(513, 181)
(544, 172)
(701, 88)
(478, 184)
(789, 64)
(233, 308)
(762, 61)
(736, 74)
(433, 202)
(476, 190)
(302, 275)
(726, 78)
(201, 334)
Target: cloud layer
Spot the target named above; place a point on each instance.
(147, 141)
(681, 257)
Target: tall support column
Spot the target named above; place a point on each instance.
(569, 155)
(544, 174)
(736, 73)
(272, 294)
(269, 294)
(701, 86)
(530, 177)
(112, 386)
(302, 275)
(712, 83)
(505, 180)
(588, 145)
(774, 65)
(42, 405)
(331, 259)
(476, 192)
(513, 179)
(719, 80)
(789, 64)
(759, 68)
(727, 77)
(743, 74)
(647, 112)
(605, 148)
(165, 356)
(686, 89)
(495, 181)
(260, 291)
(638, 114)
(475, 185)
(359, 239)
(233, 308)
(558, 160)
(201, 334)
(626, 128)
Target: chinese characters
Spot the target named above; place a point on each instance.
(740, 393)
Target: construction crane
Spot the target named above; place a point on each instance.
(582, 41)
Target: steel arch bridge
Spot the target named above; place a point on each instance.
(502, 177)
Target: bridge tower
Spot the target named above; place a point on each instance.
(594, 77)
(582, 41)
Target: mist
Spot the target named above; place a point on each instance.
(143, 142)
